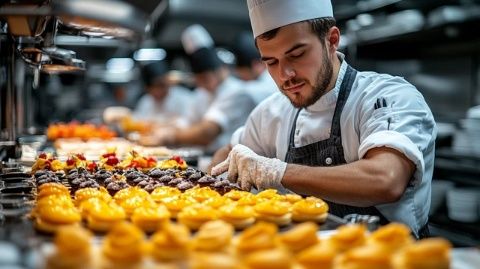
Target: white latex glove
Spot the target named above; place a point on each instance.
(248, 169)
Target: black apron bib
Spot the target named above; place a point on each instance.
(329, 152)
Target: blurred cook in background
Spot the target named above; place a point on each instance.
(163, 102)
(250, 68)
(221, 103)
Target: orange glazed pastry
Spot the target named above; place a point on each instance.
(425, 254)
(274, 211)
(72, 249)
(51, 217)
(195, 215)
(236, 195)
(217, 201)
(150, 218)
(201, 194)
(48, 189)
(86, 206)
(164, 192)
(210, 260)
(87, 193)
(317, 256)
(250, 200)
(240, 216)
(292, 198)
(170, 243)
(310, 209)
(262, 235)
(213, 236)
(275, 258)
(52, 200)
(103, 217)
(300, 237)
(269, 194)
(347, 237)
(175, 204)
(393, 236)
(371, 257)
(134, 202)
(123, 247)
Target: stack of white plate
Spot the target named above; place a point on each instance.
(439, 192)
(467, 139)
(463, 204)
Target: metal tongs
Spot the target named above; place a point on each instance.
(372, 222)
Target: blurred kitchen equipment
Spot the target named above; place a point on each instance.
(439, 192)
(467, 137)
(372, 222)
(463, 204)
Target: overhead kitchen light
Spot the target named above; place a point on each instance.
(149, 54)
(225, 55)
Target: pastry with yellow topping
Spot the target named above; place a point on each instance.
(274, 211)
(87, 193)
(262, 235)
(164, 192)
(150, 218)
(134, 202)
(319, 255)
(217, 201)
(292, 198)
(269, 194)
(213, 236)
(209, 260)
(240, 216)
(250, 200)
(72, 249)
(425, 254)
(103, 217)
(51, 217)
(201, 194)
(236, 195)
(195, 215)
(370, 256)
(175, 204)
(170, 243)
(347, 237)
(48, 189)
(275, 258)
(300, 237)
(123, 247)
(310, 209)
(174, 162)
(393, 236)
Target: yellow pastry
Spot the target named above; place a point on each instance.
(123, 245)
(310, 209)
(425, 254)
(320, 255)
(103, 217)
(201, 194)
(87, 193)
(175, 204)
(86, 206)
(261, 236)
(195, 215)
(52, 200)
(150, 218)
(164, 192)
(393, 236)
(300, 237)
(216, 201)
(209, 260)
(236, 195)
(269, 194)
(126, 193)
(48, 189)
(131, 203)
(240, 216)
(170, 243)
(72, 249)
(275, 258)
(250, 200)
(370, 256)
(292, 198)
(214, 236)
(51, 218)
(347, 237)
(274, 211)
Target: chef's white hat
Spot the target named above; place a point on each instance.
(266, 15)
(196, 37)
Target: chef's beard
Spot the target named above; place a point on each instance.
(322, 80)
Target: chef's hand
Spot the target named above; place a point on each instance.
(248, 169)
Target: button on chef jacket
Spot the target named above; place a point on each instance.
(411, 131)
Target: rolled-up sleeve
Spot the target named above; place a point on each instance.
(405, 124)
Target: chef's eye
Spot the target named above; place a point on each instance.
(271, 62)
(296, 54)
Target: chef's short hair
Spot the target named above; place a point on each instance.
(319, 26)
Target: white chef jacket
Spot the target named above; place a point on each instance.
(229, 107)
(412, 131)
(261, 88)
(174, 105)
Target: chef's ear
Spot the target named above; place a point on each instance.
(333, 39)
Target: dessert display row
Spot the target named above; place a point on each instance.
(261, 246)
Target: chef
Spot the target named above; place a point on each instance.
(250, 68)
(362, 141)
(221, 104)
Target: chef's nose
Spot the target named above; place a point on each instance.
(287, 72)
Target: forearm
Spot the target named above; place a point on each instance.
(381, 177)
(202, 133)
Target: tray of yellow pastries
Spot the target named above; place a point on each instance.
(263, 245)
